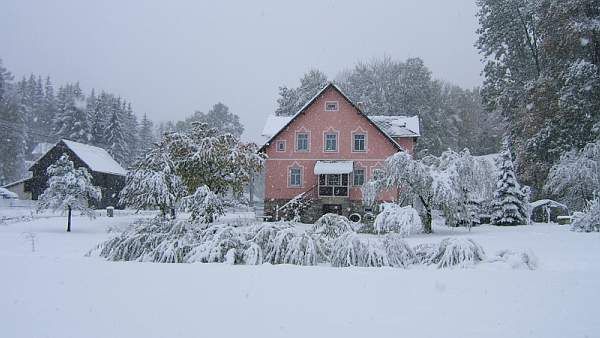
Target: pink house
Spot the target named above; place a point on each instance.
(326, 151)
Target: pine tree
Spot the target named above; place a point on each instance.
(115, 139)
(69, 189)
(509, 206)
(130, 128)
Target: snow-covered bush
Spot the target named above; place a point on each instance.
(517, 260)
(253, 255)
(589, 220)
(425, 252)
(69, 188)
(220, 243)
(293, 210)
(458, 252)
(331, 226)
(352, 249)
(203, 205)
(394, 218)
(279, 243)
(399, 253)
(155, 240)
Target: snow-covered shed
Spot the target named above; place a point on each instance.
(107, 174)
(546, 211)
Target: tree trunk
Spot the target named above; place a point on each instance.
(69, 220)
(427, 217)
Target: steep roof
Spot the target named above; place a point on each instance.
(97, 159)
(388, 125)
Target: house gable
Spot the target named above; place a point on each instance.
(319, 105)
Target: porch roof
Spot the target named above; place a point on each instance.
(333, 167)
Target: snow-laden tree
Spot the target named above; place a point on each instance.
(218, 117)
(203, 156)
(153, 182)
(146, 135)
(510, 201)
(589, 220)
(401, 220)
(576, 177)
(12, 142)
(71, 120)
(203, 205)
(115, 139)
(69, 188)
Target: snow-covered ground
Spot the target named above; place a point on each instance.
(56, 291)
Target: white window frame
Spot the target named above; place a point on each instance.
(337, 141)
(277, 143)
(364, 135)
(337, 106)
(302, 132)
(364, 174)
(295, 166)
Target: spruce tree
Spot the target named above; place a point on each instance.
(509, 206)
(12, 142)
(71, 121)
(146, 136)
(116, 140)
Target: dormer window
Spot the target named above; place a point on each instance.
(331, 106)
(280, 146)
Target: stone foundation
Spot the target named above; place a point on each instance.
(316, 209)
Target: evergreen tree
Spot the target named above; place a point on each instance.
(218, 117)
(146, 135)
(130, 128)
(71, 121)
(115, 139)
(509, 206)
(69, 189)
(12, 142)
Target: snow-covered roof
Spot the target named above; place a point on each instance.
(333, 167)
(18, 181)
(274, 124)
(96, 158)
(550, 203)
(42, 148)
(6, 194)
(397, 126)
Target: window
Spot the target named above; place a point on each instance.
(333, 185)
(331, 106)
(358, 177)
(302, 142)
(280, 146)
(360, 141)
(330, 142)
(295, 177)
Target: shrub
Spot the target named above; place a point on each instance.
(425, 252)
(331, 226)
(351, 249)
(589, 220)
(305, 249)
(253, 255)
(401, 220)
(220, 243)
(458, 252)
(399, 253)
(157, 240)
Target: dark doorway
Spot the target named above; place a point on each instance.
(332, 208)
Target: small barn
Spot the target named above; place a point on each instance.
(18, 188)
(107, 174)
(546, 211)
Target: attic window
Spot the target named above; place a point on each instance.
(280, 146)
(331, 106)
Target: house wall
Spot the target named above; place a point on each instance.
(19, 189)
(316, 121)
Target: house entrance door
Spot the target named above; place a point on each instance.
(332, 208)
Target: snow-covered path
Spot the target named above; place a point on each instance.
(57, 292)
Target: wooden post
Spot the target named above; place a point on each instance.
(69, 220)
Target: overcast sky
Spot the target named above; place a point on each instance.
(170, 58)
